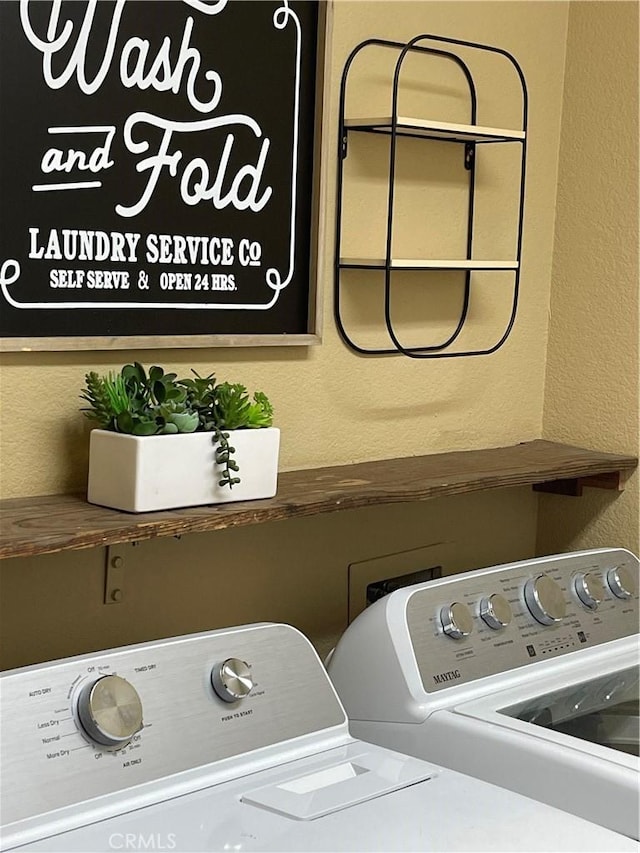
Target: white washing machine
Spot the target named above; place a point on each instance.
(233, 740)
(524, 675)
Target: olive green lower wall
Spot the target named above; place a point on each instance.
(294, 571)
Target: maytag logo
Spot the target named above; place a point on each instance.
(442, 677)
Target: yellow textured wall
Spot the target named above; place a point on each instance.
(332, 406)
(592, 383)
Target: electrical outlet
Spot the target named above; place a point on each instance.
(378, 589)
(389, 567)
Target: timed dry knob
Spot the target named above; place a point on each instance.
(457, 621)
(232, 679)
(622, 582)
(110, 710)
(545, 600)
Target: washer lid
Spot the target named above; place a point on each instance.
(603, 711)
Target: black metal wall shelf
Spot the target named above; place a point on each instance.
(470, 135)
(443, 131)
(420, 264)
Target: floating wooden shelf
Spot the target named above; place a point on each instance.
(444, 130)
(48, 524)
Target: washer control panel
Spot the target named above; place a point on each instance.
(468, 626)
(97, 724)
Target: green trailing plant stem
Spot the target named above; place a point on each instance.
(135, 402)
(224, 458)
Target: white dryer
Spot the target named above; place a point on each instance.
(524, 675)
(233, 740)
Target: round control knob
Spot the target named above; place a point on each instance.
(589, 589)
(457, 621)
(232, 680)
(496, 611)
(621, 581)
(110, 710)
(544, 599)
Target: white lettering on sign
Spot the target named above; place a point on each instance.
(136, 72)
(60, 160)
(84, 49)
(200, 190)
(176, 249)
(139, 69)
(158, 73)
(72, 244)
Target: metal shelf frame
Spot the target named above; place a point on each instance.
(470, 136)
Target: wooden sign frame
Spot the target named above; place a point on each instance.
(313, 332)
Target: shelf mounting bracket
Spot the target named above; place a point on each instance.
(469, 155)
(344, 145)
(114, 575)
(573, 487)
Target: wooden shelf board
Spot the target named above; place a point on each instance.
(444, 130)
(427, 264)
(49, 524)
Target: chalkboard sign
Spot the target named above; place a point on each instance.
(157, 172)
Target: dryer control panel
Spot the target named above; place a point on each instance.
(468, 626)
(98, 724)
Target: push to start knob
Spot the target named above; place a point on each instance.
(457, 621)
(545, 600)
(232, 679)
(110, 710)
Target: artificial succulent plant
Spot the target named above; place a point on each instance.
(157, 403)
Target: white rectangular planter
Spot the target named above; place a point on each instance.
(141, 474)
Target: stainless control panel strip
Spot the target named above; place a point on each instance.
(480, 623)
